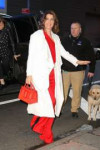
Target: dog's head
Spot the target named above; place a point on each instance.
(94, 92)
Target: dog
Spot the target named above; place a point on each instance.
(93, 101)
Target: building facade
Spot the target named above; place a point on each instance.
(87, 12)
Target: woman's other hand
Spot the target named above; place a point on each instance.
(29, 80)
(82, 62)
(16, 56)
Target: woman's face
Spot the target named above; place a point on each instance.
(49, 22)
(1, 25)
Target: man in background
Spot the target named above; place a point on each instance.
(81, 48)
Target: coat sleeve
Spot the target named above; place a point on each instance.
(31, 53)
(91, 57)
(65, 54)
(36, 64)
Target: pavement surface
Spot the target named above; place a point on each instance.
(15, 132)
(79, 140)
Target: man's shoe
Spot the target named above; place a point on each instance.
(74, 114)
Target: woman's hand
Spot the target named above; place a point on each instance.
(16, 56)
(82, 62)
(28, 80)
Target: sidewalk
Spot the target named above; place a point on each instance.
(79, 140)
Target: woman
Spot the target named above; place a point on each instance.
(5, 39)
(44, 71)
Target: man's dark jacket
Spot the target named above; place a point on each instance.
(81, 48)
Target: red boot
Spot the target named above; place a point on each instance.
(47, 137)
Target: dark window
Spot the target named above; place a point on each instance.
(24, 28)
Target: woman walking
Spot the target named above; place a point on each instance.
(44, 71)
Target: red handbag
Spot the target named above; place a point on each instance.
(28, 94)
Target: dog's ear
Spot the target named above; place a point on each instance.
(90, 92)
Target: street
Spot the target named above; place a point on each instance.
(15, 132)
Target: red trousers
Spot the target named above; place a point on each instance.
(43, 125)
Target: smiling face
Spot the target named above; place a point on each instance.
(49, 22)
(75, 29)
(1, 25)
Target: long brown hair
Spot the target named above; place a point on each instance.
(55, 28)
(2, 20)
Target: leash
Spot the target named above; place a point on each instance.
(90, 82)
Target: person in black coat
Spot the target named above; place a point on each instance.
(81, 48)
(6, 42)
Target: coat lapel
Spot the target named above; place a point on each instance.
(50, 60)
